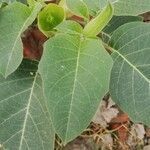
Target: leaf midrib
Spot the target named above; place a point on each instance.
(27, 112)
(74, 87)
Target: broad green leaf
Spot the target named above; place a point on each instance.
(97, 5)
(14, 19)
(93, 6)
(103, 3)
(117, 21)
(75, 72)
(96, 25)
(121, 7)
(24, 118)
(131, 7)
(51, 16)
(70, 27)
(78, 7)
(10, 1)
(130, 77)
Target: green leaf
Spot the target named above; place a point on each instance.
(14, 19)
(24, 118)
(31, 3)
(121, 7)
(117, 21)
(75, 73)
(96, 5)
(51, 16)
(78, 7)
(70, 27)
(93, 6)
(131, 7)
(63, 4)
(96, 25)
(130, 77)
(10, 1)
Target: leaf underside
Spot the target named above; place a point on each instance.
(24, 119)
(75, 74)
(130, 77)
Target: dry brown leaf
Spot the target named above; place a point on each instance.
(105, 113)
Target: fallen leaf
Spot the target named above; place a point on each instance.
(105, 113)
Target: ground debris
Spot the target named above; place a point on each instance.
(111, 129)
(105, 113)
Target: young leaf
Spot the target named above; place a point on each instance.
(130, 77)
(51, 16)
(78, 7)
(70, 27)
(131, 7)
(24, 119)
(14, 19)
(96, 25)
(75, 73)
